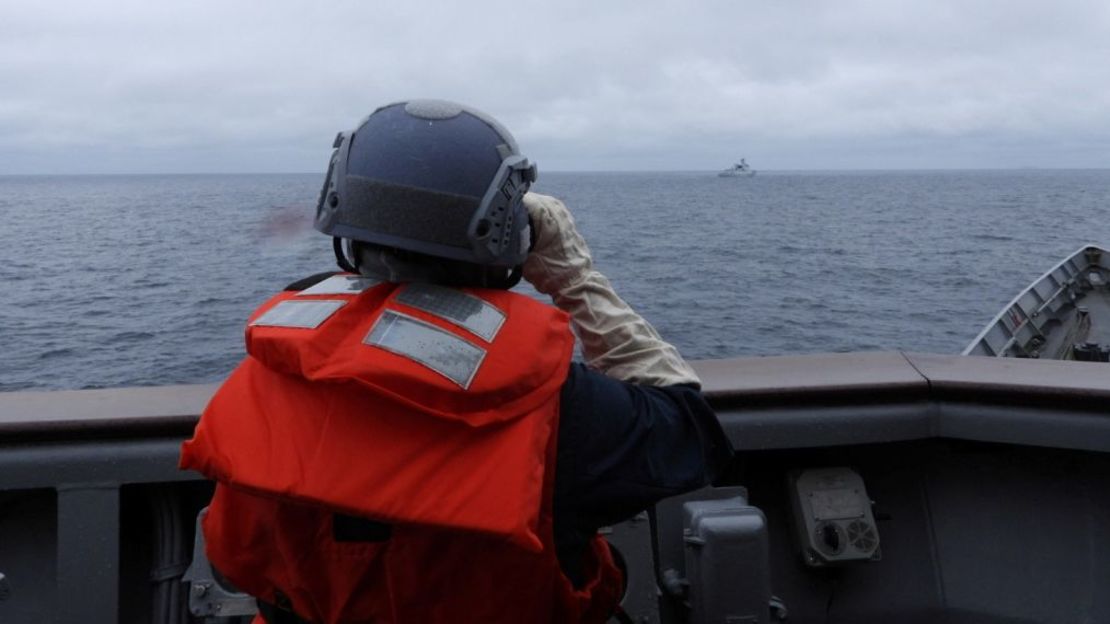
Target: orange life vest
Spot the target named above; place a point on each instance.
(431, 411)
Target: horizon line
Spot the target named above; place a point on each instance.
(563, 171)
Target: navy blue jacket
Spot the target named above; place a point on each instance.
(623, 447)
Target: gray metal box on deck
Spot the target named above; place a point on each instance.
(726, 562)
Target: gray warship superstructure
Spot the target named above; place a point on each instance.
(740, 170)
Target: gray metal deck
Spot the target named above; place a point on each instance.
(1061, 338)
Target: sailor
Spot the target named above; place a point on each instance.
(409, 441)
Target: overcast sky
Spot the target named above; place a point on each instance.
(158, 86)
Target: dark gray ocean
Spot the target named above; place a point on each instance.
(147, 280)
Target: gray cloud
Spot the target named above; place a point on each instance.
(263, 86)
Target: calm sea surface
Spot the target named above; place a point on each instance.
(146, 280)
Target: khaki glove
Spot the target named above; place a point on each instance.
(615, 339)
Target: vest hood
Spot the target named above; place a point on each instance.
(476, 355)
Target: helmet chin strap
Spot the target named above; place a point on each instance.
(340, 257)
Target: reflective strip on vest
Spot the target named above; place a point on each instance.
(300, 314)
(340, 285)
(426, 344)
(475, 315)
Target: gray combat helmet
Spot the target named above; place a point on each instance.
(431, 177)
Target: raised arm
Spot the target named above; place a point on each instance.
(615, 339)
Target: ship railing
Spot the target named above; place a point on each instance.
(85, 447)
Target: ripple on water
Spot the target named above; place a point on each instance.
(130, 336)
(54, 354)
